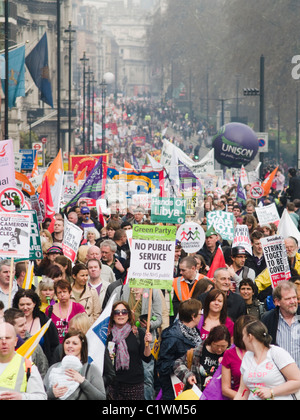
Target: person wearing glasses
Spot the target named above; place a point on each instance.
(128, 347)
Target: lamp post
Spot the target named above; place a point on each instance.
(89, 73)
(84, 60)
(6, 31)
(70, 31)
(103, 86)
(93, 81)
(261, 93)
(108, 79)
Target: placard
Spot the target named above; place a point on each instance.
(192, 237)
(242, 238)
(72, 239)
(268, 214)
(15, 229)
(168, 210)
(223, 223)
(35, 245)
(152, 257)
(276, 258)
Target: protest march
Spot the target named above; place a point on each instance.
(152, 276)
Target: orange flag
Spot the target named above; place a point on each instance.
(54, 171)
(80, 176)
(35, 170)
(267, 184)
(128, 166)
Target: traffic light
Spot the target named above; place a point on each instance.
(251, 92)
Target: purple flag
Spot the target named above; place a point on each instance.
(92, 188)
(187, 178)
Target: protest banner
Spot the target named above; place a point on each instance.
(242, 238)
(276, 259)
(168, 210)
(15, 229)
(152, 257)
(267, 215)
(223, 223)
(72, 239)
(78, 162)
(192, 237)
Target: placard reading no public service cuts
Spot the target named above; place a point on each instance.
(152, 257)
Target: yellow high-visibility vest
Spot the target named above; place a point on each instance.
(14, 376)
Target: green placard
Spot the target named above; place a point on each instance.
(156, 233)
(168, 210)
(152, 254)
(35, 250)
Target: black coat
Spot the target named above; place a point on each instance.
(51, 340)
(294, 188)
(271, 319)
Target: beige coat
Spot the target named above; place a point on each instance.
(90, 301)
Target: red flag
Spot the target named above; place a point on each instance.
(218, 262)
(101, 217)
(46, 201)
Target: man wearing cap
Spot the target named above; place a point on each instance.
(237, 270)
(211, 245)
(86, 220)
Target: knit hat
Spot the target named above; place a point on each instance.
(55, 250)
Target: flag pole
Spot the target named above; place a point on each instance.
(10, 282)
(149, 313)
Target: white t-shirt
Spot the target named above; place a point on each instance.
(266, 374)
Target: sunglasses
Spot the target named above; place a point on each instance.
(121, 312)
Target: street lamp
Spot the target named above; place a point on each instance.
(6, 31)
(84, 60)
(108, 79)
(70, 31)
(261, 93)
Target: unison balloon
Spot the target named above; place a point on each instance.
(235, 145)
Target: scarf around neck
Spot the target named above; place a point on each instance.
(192, 334)
(119, 336)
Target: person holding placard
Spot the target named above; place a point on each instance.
(176, 341)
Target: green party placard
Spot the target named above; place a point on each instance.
(152, 257)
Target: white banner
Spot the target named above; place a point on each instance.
(242, 238)
(72, 239)
(267, 214)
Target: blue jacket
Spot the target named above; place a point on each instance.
(173, 346)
